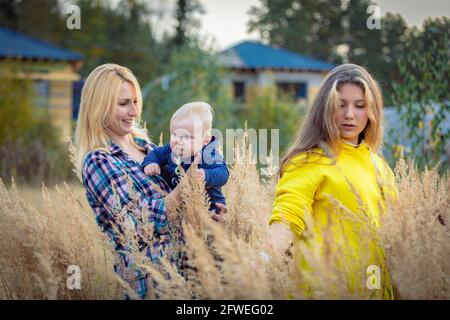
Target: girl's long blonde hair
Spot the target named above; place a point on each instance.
(320, 125)
(99, 99)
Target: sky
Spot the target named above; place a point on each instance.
(226, 20)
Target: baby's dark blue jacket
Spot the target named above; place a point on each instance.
(212, 162)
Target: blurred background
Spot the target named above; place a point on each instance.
(254, 61)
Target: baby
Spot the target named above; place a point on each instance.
(190, 138)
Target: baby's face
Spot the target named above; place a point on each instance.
(186, 136)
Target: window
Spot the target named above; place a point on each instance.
(76, 97)
(239, 91)
(42, 93)
(296, 90)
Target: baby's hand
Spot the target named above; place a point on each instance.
(152, 169)
(201, 174)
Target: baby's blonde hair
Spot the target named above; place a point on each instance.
(198, 108)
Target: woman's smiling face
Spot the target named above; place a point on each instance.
(126, 110)
(352, 115)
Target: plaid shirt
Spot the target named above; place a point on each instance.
(107, 177)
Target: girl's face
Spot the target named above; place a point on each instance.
(352, 115)
(125, 112)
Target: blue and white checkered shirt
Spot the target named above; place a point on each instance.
(106, 177)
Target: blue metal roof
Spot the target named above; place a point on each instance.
(255, 55)
(17, 45)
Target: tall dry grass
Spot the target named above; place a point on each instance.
(224, 262)
(416, 234)
(39, 242)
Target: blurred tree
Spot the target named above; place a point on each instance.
(8, 14)
(375, 49)
(432, 30)
(132, 36)
(15, 104)
(192, 74)
(308, 27)
(272, 109)
(121, 34)
(36, 18)
(187, 21)
(333, 30)
(422, 95)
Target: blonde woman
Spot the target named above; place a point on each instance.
(110, 147)
(335, 153)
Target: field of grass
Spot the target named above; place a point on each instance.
(44, 231)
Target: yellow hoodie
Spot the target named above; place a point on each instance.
(359, 180)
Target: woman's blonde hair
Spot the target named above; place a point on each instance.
(320, 125)
(99, 99)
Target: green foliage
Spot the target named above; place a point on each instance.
(333, 30)
(36, 18)
(119, 35)
(196, 75)
(273, 110)
(422, 95)
(15, 107)
(187, 21)
(308, 27)
(191, 75)
(376, 49)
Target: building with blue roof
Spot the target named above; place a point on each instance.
(20, 46)
(53, 71)
(253, 65)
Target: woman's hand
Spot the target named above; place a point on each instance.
(173, 199)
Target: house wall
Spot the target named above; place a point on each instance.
(60, 77)
(60, 106)
(253, 81)
(248, 78)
